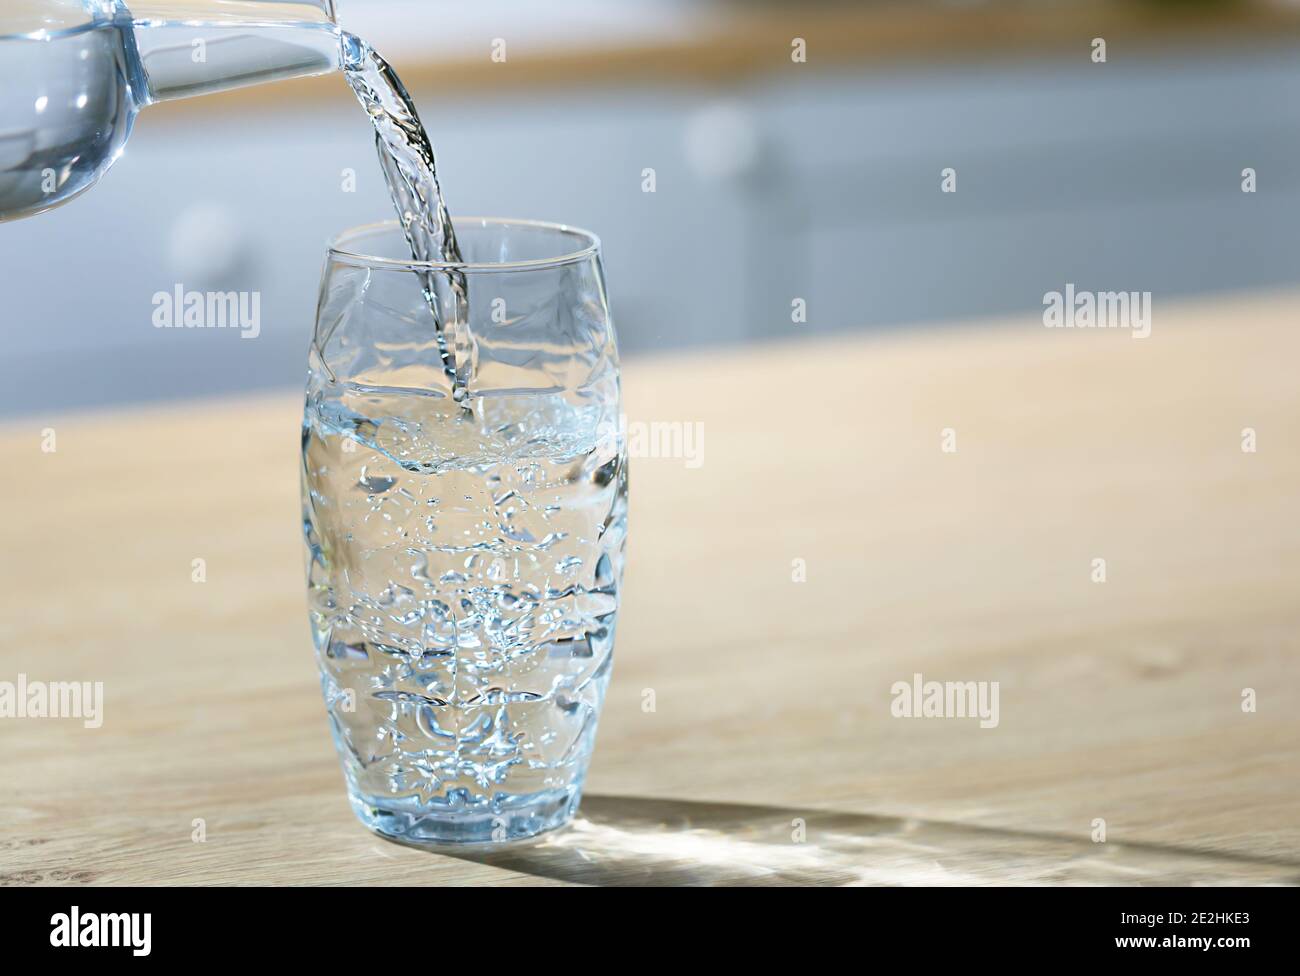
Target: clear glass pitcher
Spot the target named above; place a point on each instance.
(76, 72)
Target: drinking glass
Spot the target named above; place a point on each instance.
(464, 552)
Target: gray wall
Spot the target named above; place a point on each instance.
(1116, 176)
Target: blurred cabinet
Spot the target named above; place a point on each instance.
(1114, 176)
(825, 188)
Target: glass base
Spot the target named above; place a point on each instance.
(513, 819)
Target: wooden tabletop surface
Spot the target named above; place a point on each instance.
(771, 754)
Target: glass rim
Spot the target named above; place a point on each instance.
(338, 247)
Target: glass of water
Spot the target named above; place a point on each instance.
(464, 488)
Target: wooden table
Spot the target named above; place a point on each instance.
(771, 755)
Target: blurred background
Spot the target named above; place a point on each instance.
(773, 178)
(832, 545)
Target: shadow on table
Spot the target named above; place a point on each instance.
(637, 841)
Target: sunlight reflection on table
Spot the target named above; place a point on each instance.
(635, 841)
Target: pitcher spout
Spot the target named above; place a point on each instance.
(197, 47)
